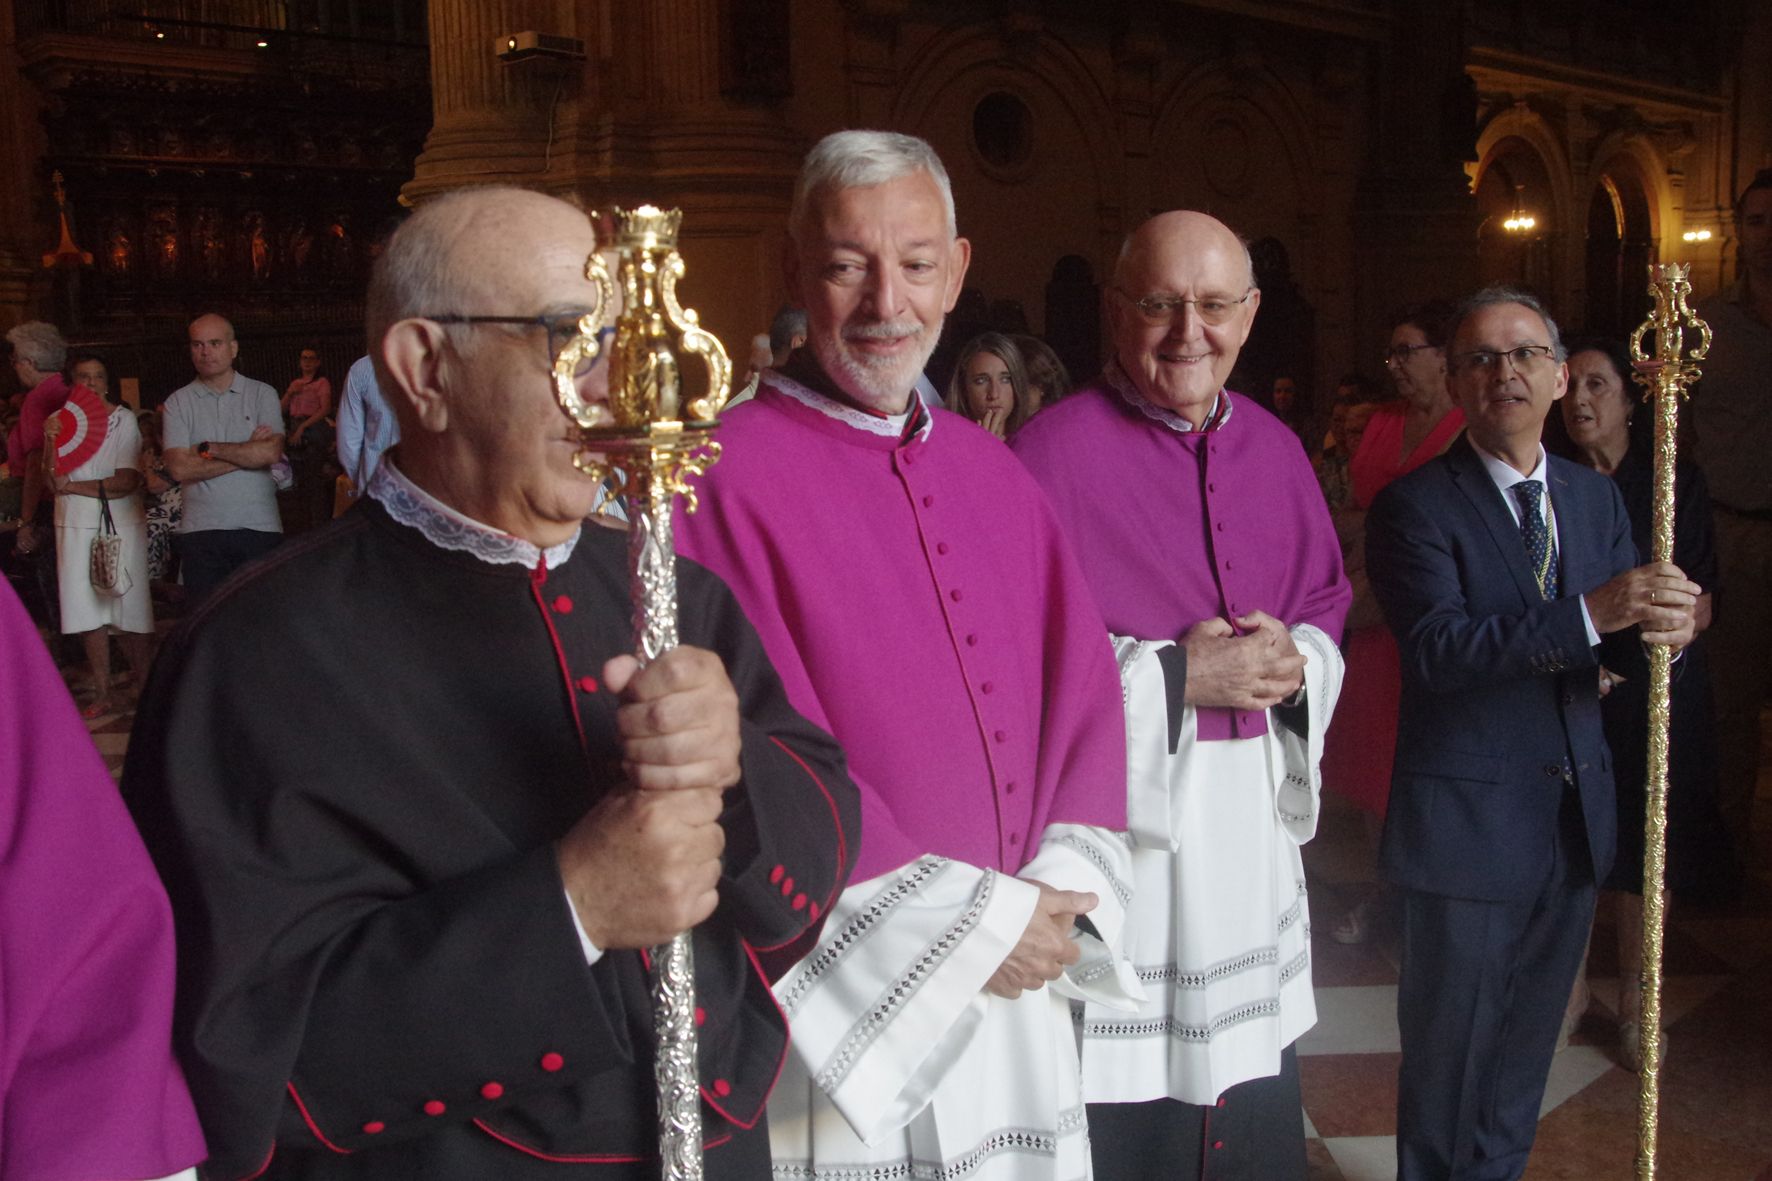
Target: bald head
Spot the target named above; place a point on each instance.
(213, 349)
(1185, 299)
(1183, 232)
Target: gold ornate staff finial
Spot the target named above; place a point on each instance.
(646, 443)
(1667, 378)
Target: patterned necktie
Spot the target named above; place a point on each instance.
(1541, 550)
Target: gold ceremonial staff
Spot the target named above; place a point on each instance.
(1666, 378)
(646, 442)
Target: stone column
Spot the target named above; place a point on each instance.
(492, 119)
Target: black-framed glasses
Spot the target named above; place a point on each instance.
(1160, 309)
(1526, 359)
(1397, 354)
(559, 326)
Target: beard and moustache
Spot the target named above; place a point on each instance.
(881, 383)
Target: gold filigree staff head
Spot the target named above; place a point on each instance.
(648, 432)
(1672, 368)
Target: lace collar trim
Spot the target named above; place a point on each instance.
(891, 426)
(1122, 385)
(447, 529)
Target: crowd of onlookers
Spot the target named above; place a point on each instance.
(190, 490)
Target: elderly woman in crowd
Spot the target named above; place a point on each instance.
(113, 474)
(1598, 415)
(990, 385)
(38, 355)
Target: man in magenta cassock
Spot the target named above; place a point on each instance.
(911, 585)
(1198, 522)
(88, 1083)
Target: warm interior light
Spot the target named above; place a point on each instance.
(1696, 235)
(264, 44)
(1519, 223)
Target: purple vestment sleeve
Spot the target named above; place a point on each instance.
(919, 602)
(88, 1083)
(1171, 528)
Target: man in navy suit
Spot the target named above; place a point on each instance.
(1502, 815)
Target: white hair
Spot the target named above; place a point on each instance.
(862, 159)
(39, 343)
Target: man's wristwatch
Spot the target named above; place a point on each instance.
(203, 449)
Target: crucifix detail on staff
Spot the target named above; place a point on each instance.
(645, 442)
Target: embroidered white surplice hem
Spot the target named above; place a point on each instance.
(902, 1066)
(1219, 929)
(448, 529)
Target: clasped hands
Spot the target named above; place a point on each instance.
(1254, 665)
(643, 864)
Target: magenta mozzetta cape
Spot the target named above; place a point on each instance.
(920, 604)
(1172, 527)
(88, 1084)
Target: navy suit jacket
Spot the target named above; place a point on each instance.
(1500, 687)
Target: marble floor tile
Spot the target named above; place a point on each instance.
(1350, 1094)
(1355, 1020)
(1365, 1158)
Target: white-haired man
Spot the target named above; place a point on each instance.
(910, 584)
(414, 949)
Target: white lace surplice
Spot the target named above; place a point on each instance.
(1219, 932)
(903, 1067)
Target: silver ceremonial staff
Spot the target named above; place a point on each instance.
(1667, 376)
(646, 442)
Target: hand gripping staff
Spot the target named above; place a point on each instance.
(646, 441)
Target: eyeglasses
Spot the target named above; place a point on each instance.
(560, 327)
(1528, 358)
(1162, 309)
(1397, 354)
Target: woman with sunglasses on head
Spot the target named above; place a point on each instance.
(1399, 437)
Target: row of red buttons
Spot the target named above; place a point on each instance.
(550, 1062)
(779, 877)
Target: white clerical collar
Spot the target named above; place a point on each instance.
(891, 426)
(1116, 377)
(448, 529)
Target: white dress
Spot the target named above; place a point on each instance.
(77, 523)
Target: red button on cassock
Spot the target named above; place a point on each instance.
(787, 887)
(492, 1091)
(551, 1062)
(588, 684)
(812, 909)
(435, 1107)
(799, 902)
(775, 875)
(928, 501)
(941, 547)
(374, 1126)
(955, 595)
(1218, 1144)
(701, 1015)
(722, 1088)
(563, 605)
(987, 687)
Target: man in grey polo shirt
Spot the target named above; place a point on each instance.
(222, 434)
